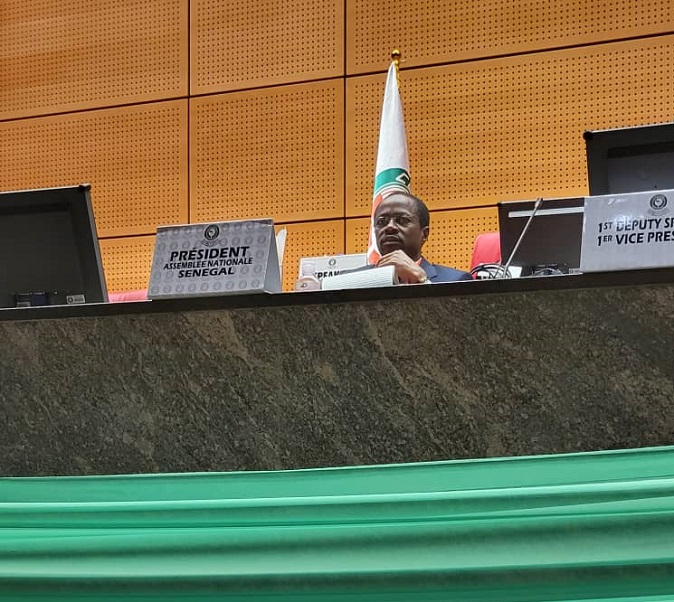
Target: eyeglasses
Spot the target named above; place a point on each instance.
(402, 220)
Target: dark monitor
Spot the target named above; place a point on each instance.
(630, 159)
(552, 243)
(49, 251)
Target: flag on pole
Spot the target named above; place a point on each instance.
(393, 168)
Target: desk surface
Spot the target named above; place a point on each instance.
(463, 370)
(263, 300)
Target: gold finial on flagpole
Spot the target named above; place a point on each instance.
(395, 57)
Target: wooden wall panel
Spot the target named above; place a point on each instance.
(437, 31)
(508, 128)
(65, 55)
(451, 239)
(356, 234)
(309, 239)
(276, 152)
(127, 262)
(238, 44)
(496, 97)
(453, 234)
(134, 157)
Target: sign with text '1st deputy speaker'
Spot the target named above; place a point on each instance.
(221, 258)
(628, 231)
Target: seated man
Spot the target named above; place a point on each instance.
(401, 226)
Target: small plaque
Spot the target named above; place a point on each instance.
(220, 258)
(333, 265)
(628, 231)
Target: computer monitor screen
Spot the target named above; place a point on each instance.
(630, 159)
(49, 251)
(552, 242)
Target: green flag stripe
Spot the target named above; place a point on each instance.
(394, 177)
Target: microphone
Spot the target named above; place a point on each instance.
(537, 206)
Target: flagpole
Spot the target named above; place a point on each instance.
(392, 170)
(395, 57)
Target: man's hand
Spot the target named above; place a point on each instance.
(407, 271)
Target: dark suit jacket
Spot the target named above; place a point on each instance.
(440, 273)
(436, 273)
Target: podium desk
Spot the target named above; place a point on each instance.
(404, 374)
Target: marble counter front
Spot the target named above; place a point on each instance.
(463, 370)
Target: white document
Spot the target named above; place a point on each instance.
(281, 248)
(281, 244)
(372, 278)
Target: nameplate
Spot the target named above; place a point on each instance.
(628, 231)
(220, 258)
(333, 265)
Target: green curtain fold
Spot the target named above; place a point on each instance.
(593, 526)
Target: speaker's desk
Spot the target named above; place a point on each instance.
(463, 370)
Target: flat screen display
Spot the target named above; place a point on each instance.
(49, 252)
(552, 242)
(633, 159)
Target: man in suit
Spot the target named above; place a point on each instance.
(401, 226)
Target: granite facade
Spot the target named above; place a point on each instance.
(357, 382)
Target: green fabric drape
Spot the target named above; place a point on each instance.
(596, 526)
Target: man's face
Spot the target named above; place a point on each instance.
(396, 226)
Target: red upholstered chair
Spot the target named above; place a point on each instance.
(123, 296)
(487, 249)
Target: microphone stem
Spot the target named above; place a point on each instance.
(537, 205)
